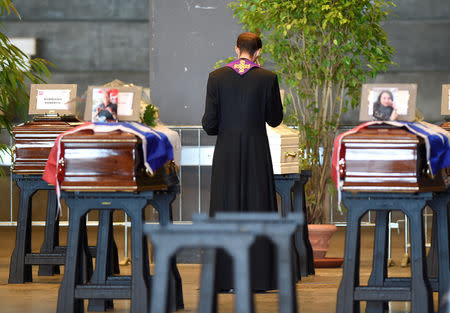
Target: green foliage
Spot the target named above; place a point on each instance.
(150, 115)
(221, 63)
(323, 51)
(15, 75)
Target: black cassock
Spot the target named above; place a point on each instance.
(237, 109)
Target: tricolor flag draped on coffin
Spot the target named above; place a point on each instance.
(113, 157)
(391, 156)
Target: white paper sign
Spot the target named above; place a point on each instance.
(125, 104)
(449, 99)
(402, 102)
(53, 99)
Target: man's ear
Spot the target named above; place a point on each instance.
(257, 53)
(238, 51)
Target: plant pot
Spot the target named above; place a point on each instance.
(320, 237)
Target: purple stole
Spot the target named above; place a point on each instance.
(242, 66)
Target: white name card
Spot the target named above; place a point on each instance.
(52, 99)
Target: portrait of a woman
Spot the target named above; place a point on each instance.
(384, 108)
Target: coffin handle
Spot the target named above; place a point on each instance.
(342, 167)
(148, 173)
(13, 155)
(290, 154)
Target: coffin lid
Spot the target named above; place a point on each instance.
(282, 136)
(385, 135)
(281, 130)
(43, 127)
(89, 136)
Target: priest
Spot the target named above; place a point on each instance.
(241, 98)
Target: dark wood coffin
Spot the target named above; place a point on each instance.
(446, 173)
(110, 162)
(33, 142)
(446, 126)
(386, 159)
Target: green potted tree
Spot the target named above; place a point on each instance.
(16, 73)
(322, 50)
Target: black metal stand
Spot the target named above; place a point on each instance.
(291, 188)
(104, 287)
(51, 255)
(433, 254)
(104, 268)
(380, 289)
(439, 205)
(162, 202)
(439, 279)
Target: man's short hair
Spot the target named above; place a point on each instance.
(249, 42)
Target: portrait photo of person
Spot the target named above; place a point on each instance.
(384, 108)
(388, 102)
(113, 104)
(105, 108)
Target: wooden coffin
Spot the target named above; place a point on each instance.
(446, 126)
(33, 142)
(110, 162)
(446, 173)
(385, 159)
(283, 142)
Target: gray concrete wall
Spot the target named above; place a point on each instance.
(421, 9)
(89, 42)
(188, 37)
(419, 31)
(172, 45)
(85, 10)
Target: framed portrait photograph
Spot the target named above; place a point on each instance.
(53, 99)
(113, 104)
(388, 102)
(445, 105)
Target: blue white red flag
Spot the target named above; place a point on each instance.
(156, 148)
(437, 143)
